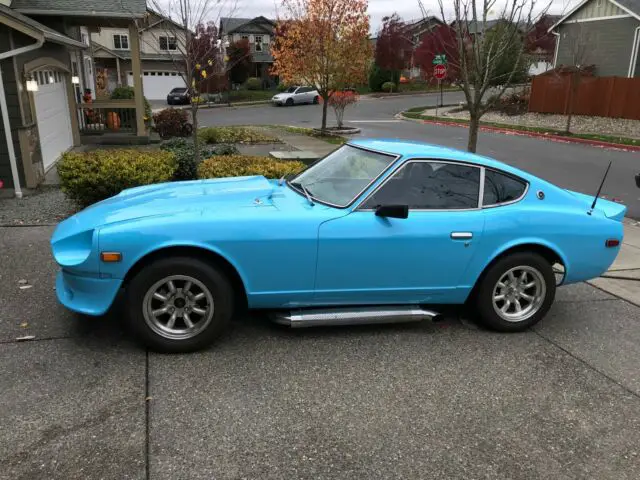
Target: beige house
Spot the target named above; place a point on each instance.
(162, 44)
(44, 66)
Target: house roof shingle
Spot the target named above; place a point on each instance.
(97, 8)
(49, 34)
(229, 24)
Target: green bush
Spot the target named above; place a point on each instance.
(234, 135)
(378, 76)
(241, 165)
(89, 177)
(388, 87)
(184, 151)
(254, 83)
(281, 87)
(127, 93)
(171, 122)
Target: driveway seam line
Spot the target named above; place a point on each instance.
(147, 401)
(588, 365)
(611, 293)
(28, 225)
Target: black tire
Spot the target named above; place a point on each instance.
(217, 285)
(289, 102)
(539, 272)
(316, 100)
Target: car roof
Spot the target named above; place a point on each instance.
(412, 149)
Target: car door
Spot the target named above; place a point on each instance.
(365, 258)
(301, 95)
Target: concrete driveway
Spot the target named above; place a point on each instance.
(447, 400)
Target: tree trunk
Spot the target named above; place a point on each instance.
(196, 142)
(474, 125)
(575, 82)
(325, 105)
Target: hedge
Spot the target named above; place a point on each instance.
(234, 135)
(241, 165)
(89, 177)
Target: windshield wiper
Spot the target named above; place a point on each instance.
(283, 178)
(304, 189)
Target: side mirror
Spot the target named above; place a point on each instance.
(638, 180)
(393, 211)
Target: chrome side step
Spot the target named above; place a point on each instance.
(299, 318)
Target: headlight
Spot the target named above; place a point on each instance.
(73, 250)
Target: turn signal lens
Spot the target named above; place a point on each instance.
(612, 242)
(111, 257)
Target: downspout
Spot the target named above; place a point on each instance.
(634, 52)
(555, 55)
(5, 114)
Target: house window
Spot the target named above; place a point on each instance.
(121, 42)
(168, 44)
(258, 43)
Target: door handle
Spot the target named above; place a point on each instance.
(461, 235)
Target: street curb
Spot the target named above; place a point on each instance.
(217, 105)
(546, 136)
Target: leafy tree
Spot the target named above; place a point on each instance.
(323, 43)
(392, 43)
(239, 59)
(339, 101)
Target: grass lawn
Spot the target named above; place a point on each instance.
(415, 113)
(332, 139)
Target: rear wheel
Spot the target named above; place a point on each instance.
(179, 304)
(516, 292)
(316, 100)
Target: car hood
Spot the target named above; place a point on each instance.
(280, 96)
(168, 199)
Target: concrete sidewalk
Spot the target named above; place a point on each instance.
(623, 278)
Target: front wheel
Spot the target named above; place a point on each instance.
(179, 304)
(289, 102)
(516, 292)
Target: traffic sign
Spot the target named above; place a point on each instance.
(440, 59)
(440, 71)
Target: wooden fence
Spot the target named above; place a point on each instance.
(595, 96)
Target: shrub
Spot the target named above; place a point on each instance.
(127, 93)
(226, 150)
(241, 165)
(254, 83)
(234, 135)
(184, 151)
(89, 177)
(282, 87)
(170, 122)
(388, 87)
(378, 76)
(339, 101)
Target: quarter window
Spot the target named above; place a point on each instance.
(121, 42)
(430, 186)
(500, 188)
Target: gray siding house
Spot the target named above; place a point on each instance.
(603, 33)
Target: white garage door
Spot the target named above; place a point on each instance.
(52, 115)
(158, 84)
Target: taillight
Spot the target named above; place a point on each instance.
(612, 243)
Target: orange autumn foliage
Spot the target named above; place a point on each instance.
(323, 43)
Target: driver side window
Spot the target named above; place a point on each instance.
(429, 186)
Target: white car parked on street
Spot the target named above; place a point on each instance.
(296, 95)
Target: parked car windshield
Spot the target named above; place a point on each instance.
(178, 90)
(342, 176)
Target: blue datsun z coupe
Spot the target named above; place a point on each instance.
(372, 233)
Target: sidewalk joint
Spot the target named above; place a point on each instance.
(147, 401)
(588, 365)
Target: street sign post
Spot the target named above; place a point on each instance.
(440, 72)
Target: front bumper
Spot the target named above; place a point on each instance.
(277, 102)
(88, 295)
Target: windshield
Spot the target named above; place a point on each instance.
(292, 89)
(341, 176)
(178, 90)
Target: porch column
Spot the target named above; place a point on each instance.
(136, 69)
(119, 82)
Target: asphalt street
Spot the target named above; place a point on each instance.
(574, 166)
(422, 401)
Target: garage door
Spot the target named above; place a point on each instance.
(158, 84)
(52, 115)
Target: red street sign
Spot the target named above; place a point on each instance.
(440, 71)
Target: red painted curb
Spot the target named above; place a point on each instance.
(547, 136)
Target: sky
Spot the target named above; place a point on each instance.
(407, 9)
